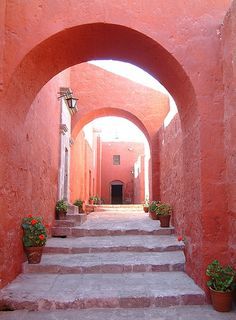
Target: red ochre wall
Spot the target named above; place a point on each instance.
(32, 188)
(122, 172)
(177, 43)
(139, 182)
(228, 222)
(84, 159)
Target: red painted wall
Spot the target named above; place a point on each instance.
(84, 170)
(122, 172)
(29, 176)
(184, 53)
(139, 181)
(175, 191)
(228, 223)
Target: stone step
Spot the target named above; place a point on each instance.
(118, 208)
(119, 223)
(205, 312)
(83, 291)
(62, 228)
(64, 223)
(116, 231)
(113, 244)
(108, 262)
(72, 209)
(78, 218)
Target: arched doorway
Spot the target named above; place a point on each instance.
(117, 192)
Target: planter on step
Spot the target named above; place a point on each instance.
(221, 301)
(145, 209)
(164, 211)
(164, 221)
(61, 209)
(34, 254)
(61, 215)
(34, 237)
(153, 215)
(221, 285)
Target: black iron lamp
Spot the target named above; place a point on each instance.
(67, 94)
(71, 102)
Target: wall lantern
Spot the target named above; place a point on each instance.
(67, 94)
(71, 102)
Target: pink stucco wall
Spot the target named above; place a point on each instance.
(179, 44)
(129, 152)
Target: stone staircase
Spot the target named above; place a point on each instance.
(116, 259)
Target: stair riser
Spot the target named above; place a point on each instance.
(64, 224)
(40, 268)
(109, 249)
(78, 218)
(61, 231)
(125, 302)
(105, 232)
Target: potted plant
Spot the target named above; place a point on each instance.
(61, 209)
(91, 200)
(34, 238)
(163, 212)
(152, 210)
(221, 284)
(146, 206)
(79, 204)
(96, 200)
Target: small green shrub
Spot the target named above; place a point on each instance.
(35, 234)
(153, 205)
(78, 203)
(163, 209)
(61, 205)
(221, 277)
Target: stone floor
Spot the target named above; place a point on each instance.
(171, 313)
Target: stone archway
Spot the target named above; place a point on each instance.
(79, 122)
(137, 44)
(101, 40)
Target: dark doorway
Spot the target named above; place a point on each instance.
(117, 194)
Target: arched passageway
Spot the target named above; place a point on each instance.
(103, 139)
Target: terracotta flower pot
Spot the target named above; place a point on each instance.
(152, 215)
(164, 221)
(145, 209)
(221, 301)
(34, 254)
(61, 215)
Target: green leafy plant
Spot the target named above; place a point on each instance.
(163, 209)
(146, 203)
(61, 205)
(221, 277)
(96, 199)
(153, 205)
(78, 203)
(35, 234)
